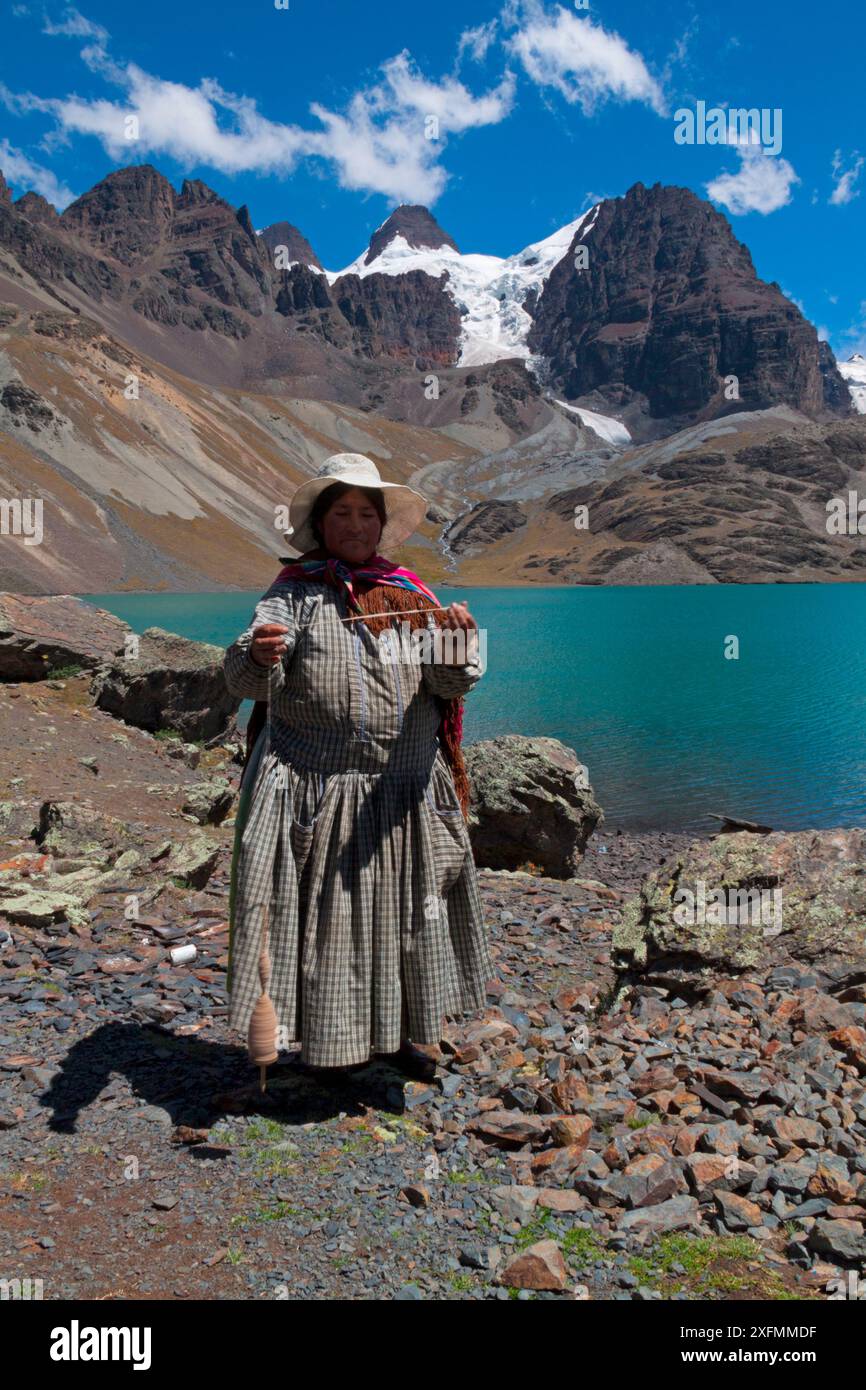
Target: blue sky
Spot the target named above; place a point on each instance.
(325, 113)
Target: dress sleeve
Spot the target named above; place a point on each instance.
(446, 680)
(244, 677)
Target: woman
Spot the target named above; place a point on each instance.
(352, 828)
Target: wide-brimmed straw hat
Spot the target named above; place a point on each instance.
(406, 508)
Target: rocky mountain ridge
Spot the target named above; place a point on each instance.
(668, 308)
(167, 378)
(671, 308)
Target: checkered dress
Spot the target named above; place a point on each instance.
(352, 833)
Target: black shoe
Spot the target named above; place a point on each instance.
(332, 1073)
(411, 1061)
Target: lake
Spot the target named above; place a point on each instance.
(636, 680)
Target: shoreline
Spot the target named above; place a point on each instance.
(643, 832)
(776, 583)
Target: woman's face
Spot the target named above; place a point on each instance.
(351, 527)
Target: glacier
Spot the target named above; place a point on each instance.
(489, 291)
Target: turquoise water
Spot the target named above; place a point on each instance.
(636, 681)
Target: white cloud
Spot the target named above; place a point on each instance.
(679, 57)
(23, 174)
(377, 156)
(381, 141)
(75, 26)
(449, 100)
(378, 144)
(762, 184)
(845, 179)
(19, 103)
(477, 42)
(579, 59)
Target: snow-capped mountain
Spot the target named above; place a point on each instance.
(490, 291)
(652, 326)
(260, 363)
(669, 305)
(854, 372)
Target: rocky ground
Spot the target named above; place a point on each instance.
(587, 1135)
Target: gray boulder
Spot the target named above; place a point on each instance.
(68, 829)
(748, 902)
(83, 853)
(209, 802)
(839, 1240)
(192, 862)
(18, 819)
(40, 633)
(169, 682)
(531, 802)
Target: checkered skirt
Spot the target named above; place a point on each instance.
(350, 830)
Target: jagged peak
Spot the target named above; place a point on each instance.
(297, 246)
(416, 225)
(36, 208)
(196, 193)
(124, 214)
(137, 186)
(131, 175)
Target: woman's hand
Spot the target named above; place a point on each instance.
(458, 615)
(458, 618)
(268, 646)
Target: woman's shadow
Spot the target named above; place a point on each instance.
(197, 1082)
